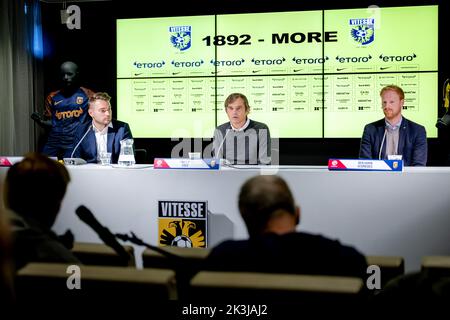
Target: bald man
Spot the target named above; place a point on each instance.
(269, 211)
(68, 109)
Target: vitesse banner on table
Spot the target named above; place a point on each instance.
(183, 223)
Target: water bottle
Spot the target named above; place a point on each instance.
(126, 156)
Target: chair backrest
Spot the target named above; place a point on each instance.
(140, 156)
(192, 256)
(50, 282)
(436, 266)
(253, 286)
(100, 254)
(390, 266)
(189, 263)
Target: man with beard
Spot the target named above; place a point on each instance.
(394, 137)
(102, 134)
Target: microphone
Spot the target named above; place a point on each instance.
(217, 154)
(81, 140)
(382, 142)
(77, 161)
(107, 237)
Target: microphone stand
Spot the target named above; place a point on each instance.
(137, 241)
(184, 268)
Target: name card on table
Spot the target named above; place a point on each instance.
(183, 163)
(9, 161)
(365, 165)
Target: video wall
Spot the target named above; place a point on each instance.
(307, 74)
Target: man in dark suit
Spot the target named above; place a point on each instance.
(394, 135)
(268, 209)
(102, 135)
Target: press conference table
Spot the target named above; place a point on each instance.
(381, 213)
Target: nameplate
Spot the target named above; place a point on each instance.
(183, 163)
(365, 165)
(9, 161)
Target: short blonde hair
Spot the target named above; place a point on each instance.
(100, 96)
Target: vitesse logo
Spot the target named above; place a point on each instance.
(183, 223)
(180, 37)
(362, 30)
(68, 114)
(395, 164)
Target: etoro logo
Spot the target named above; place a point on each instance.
(69, 114)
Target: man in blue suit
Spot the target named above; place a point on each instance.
(394, 135)
(102, 134)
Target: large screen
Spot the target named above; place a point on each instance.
(308, 74)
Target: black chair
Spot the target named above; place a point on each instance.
(186, 262)
(100, 286)
(192, 256)
(140, 156)
(99, 254)
(436, 266)
(390, 267)
(271, 287)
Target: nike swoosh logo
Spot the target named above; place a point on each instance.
(384, 68)
(174, 73)
(340, 69)
(255, 71)
(138, 74)
(58, 102)
(297, 70)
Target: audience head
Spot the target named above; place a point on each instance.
(35, 188)
(267, 205)
(100, 109)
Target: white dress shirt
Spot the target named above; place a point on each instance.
(101, 139)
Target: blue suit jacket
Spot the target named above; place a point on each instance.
(87, 149)
(412, 144)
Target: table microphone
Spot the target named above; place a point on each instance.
(382, 142)
(77, 161)
(217, 154)
(81, 140)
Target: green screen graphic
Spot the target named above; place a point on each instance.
(302, 80)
